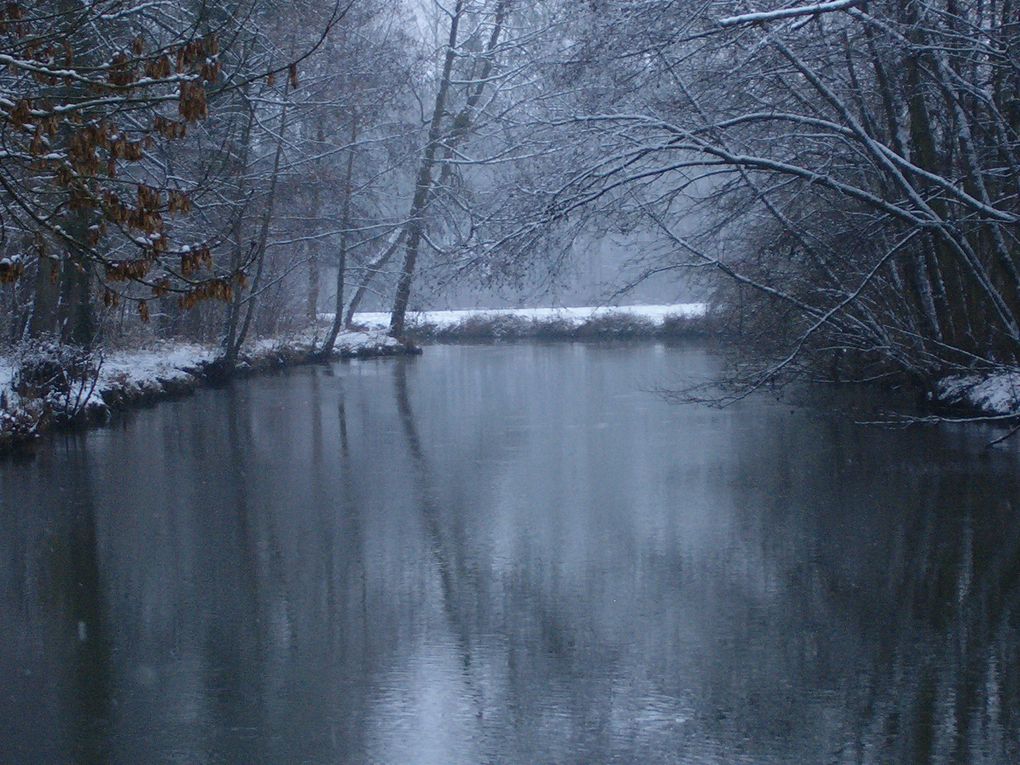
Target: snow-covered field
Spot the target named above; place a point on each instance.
(576, 315)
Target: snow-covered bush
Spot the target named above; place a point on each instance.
(62, 377)
(686, 325)
(552, 328)
(497, 325)
(19, 421)
(616, 325)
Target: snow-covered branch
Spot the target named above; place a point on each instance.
(788, 13)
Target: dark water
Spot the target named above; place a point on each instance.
(508, 554)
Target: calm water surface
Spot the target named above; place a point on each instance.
(508, 554)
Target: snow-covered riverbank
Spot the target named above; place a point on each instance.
(116, 379)
(995, 394)
(126, 377)
(576, 315)
(568, 322)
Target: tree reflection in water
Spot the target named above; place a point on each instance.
(508, 554)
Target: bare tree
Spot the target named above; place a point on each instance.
(442, 136)
(849, 172)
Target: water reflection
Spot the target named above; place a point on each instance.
(507, 554)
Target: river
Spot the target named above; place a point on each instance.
(508, 554)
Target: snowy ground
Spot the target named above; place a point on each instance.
(996, 394)
(165, 361)
(576, 315)
(6, 373)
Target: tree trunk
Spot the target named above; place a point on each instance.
(312, 298)
(229, 342)
(263, 240)
(76, 312)
(341, 263)
(423, 184)
(43, 318)
(370, 271)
